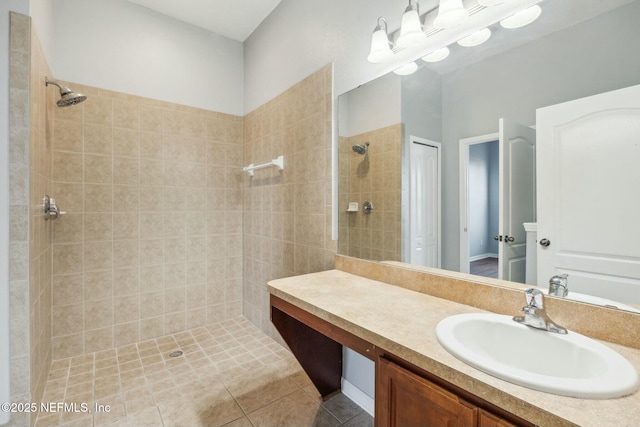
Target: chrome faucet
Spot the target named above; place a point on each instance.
(558, 286)
(535, 315)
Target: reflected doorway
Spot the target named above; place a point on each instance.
(480, 204)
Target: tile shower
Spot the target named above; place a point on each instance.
(152, 240)
(165, 243)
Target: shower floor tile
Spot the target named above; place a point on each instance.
(229, 374)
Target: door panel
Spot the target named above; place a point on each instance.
(424, 233)
(588, 179)
(517, 196)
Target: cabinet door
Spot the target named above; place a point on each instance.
(404, 399)
(487, 419)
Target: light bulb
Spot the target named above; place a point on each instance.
(411, 28)
(436, 55)
(522, 18)
(406, 69)
(476, 38)
(450, 14)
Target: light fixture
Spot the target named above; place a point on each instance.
(476, 38)
(380, 45)
(437, 55)
(450, 14)
(406, 69)
(411, 28)
(522, 18)
(489, 3)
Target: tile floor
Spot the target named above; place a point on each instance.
(231, 374)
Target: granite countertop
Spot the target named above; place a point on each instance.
(403, 323)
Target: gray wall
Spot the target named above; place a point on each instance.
(590, 58)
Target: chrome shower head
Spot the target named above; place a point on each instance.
(361, 148)
(67, 96)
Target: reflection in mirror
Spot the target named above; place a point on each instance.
(576, 49)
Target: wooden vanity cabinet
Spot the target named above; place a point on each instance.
(406, 395)
(406, 399)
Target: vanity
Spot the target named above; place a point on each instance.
(388, 313)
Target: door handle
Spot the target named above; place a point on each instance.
(497, 238)
(509, 239)
(545, 242)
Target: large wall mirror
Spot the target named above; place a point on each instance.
(515, 159)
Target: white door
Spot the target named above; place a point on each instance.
(424, 187)
(517, 197)
(588, 186)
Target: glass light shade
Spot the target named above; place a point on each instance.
(411, 28)
(522, 18)
(406, 69)
(488, 3)
(450, 14)
(476, 38)
(437, 55)
(380, 46)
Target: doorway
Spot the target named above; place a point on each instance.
(480, 203)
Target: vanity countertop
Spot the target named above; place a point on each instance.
(402, 322)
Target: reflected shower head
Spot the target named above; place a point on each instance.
(67, 96)
(361, 149)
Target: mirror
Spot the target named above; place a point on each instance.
(577, 48)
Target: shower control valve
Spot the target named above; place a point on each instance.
(50, 209)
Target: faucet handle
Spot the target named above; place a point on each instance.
(535, 298)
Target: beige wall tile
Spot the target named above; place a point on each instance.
(98, 169)
(68, 289)
(98, 314)
(67, 258)
(98, 226)
(126, 143)
(68, 319)
(67, 135)
(98, 111)
(98, 339)
(126, 281)
(98, 198)
(98, 139)
(98, 285)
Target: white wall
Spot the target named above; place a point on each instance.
(116, 45)
(300, 36)
(41, 12)
(372, 106)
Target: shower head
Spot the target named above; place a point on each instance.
(361, 149)
(67, 96)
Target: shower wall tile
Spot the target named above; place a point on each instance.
(132, 256)
(286, 215)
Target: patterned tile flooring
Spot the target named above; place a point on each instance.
(230, 374)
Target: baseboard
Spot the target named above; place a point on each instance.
(482, 256)
(358, 396)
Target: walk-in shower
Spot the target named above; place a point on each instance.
(361, 148)
(68, 97)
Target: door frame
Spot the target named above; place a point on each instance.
(438, 208)
(464, 147)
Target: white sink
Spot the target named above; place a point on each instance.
(568, 365)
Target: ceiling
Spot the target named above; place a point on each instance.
(235, 19)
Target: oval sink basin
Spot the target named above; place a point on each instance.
(568, 365)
